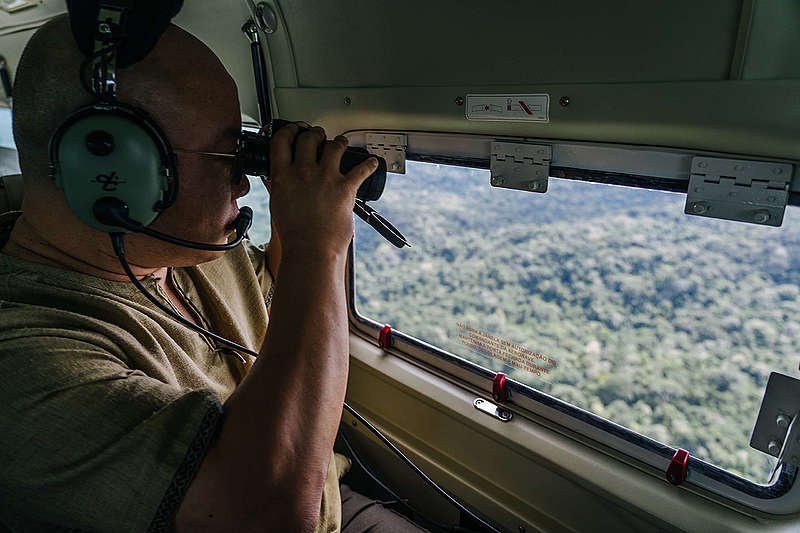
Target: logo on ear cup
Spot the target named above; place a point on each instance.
(109, 182)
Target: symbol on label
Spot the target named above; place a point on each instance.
(528, 111)
(109, 183)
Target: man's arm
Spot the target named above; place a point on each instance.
(272, 258)
(267, 468)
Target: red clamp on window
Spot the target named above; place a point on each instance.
(385, 337)
(676, 471)
(499, 390)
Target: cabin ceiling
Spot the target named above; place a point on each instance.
(472, 42)
(719, 75)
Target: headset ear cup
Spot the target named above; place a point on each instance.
(112, 151)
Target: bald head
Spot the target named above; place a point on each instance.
(168, 84)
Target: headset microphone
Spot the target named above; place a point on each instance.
(113, 212)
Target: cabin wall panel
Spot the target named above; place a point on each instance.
(751, 118)
(521, 472)
(774, 44)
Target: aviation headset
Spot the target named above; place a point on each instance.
(111, 154)
(113, 162)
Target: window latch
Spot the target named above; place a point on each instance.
(777, 429)
(678, 467)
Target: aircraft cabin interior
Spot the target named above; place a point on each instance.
(575, 304)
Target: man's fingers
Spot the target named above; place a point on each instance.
(332, 153)
(361, 172)
(280, 147)
(308, 146)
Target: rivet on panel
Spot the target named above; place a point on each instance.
(698, 208)
(459, 100)
(564, 101)
(761, 216)
(347, 100)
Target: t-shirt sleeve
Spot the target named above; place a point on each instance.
(258, 257)
(90, 444)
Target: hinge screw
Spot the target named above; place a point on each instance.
(698, 208)
(534, 186)
(564, 101)
(761, 216)
(347, 100)
(395, 166)
(774, 447)
(497, 180)
(104, 27)
(782, 421)
(459, 100)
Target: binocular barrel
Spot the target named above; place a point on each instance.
(253, 153)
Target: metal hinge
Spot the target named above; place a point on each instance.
(520, 166)
(391, 147)
(777, 429)
(734, 189)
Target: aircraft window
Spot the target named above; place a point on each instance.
(606, 297)
(258, 200)
(8, 150)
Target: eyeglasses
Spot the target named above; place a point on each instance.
(238, 171)
(232, 155)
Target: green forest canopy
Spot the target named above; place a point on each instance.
(665, 323)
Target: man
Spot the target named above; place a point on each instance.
(110, 409)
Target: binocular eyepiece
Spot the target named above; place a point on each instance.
(252, 157)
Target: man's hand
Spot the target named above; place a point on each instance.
(311, 202)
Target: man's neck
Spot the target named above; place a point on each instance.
(26, 243)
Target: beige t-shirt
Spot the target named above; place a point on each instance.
(107, 404)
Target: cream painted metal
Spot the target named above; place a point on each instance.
(526, 471)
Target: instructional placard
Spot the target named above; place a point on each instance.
(509, 107)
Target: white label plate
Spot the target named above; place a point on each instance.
(509, 107)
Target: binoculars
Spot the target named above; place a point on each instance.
(252, 158)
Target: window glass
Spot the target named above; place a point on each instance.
(606, 297)
(258, 200)
(8, 150)
(6, 133)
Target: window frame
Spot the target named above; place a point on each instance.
(780, 497)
